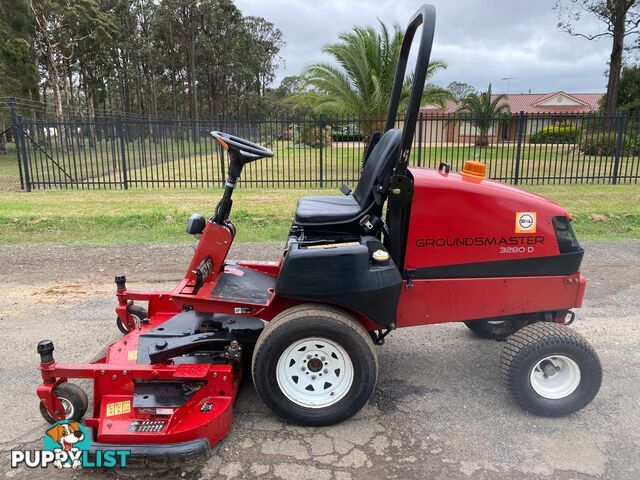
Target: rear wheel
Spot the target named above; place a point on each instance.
(138, 313)
(314, 365)
(550, 369)
(74, 400)
(493, 328)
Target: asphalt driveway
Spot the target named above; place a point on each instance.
(440, 409)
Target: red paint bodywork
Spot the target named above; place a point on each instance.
(444, 206)
(113, 377)
(450, 206)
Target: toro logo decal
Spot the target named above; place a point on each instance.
(525, 222)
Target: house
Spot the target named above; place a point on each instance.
(540, 110)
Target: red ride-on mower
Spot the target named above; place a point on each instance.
(448, 247)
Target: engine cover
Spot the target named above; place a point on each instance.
(462, 227)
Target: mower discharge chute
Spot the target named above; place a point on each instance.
(448, 247)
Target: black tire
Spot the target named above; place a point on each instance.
(309, 321)
(140, 313)
(487, 329)
(73, 396)
(526, 348)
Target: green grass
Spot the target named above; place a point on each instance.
(261, 215)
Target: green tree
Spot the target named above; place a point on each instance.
(154, 57)
(483, 110)
(621, 19)
(629, 96)
(361, 83)
(62, 28)
(276, 99)
(460, 89)
(17, 59)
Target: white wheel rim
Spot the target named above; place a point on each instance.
(495, 322)
(137, 321)
(68, 408)
(555, 376)
(314, 372)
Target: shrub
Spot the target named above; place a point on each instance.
(347, 133)
(309, 135)
(347, 137)
(556, 134)
(605, 144)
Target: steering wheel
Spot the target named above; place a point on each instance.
(248, 151)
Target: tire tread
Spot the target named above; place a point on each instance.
(534, 337)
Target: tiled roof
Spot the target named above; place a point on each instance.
(529, 103)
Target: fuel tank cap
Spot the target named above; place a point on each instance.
(381, 256)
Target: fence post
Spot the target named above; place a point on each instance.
(619, 144)
(321, 153)
(16, 140)
(420, 125)
(521, 121)
(22, 145)
(123, 152)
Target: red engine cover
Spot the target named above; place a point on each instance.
(456, 219)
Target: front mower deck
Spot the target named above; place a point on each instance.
(156, 406)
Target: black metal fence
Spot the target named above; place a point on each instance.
(124, 152)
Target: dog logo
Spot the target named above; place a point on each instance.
(68, 437)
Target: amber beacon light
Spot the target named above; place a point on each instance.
(474, 169)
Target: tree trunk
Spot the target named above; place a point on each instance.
(71, 104)
(91, 112)
(191, 80)
(3, 137)
(615, 63)
(54, 80)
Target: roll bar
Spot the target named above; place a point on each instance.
(425, 16)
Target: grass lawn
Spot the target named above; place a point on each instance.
(601, 212)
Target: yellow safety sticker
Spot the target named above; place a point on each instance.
(118, 408)
(132, 355)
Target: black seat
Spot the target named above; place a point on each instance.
(322, 211)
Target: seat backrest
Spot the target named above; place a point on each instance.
(378, 167)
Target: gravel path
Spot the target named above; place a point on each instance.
(440, 409)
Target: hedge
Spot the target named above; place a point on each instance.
(605, 144)
(556, 134)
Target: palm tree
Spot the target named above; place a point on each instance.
(484, 111)
(361, 83)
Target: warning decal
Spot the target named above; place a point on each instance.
(118, 408)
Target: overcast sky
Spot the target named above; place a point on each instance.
(482, 41)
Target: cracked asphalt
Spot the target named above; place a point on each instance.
(440, 409)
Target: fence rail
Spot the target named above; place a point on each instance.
(122, 152)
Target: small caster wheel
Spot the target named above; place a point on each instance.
(138, 313)
(550, 369)
(74, 400)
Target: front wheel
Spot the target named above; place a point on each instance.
(314, 365)
(73, 399)
(550, 369)
(138, 313)
(494, 329)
